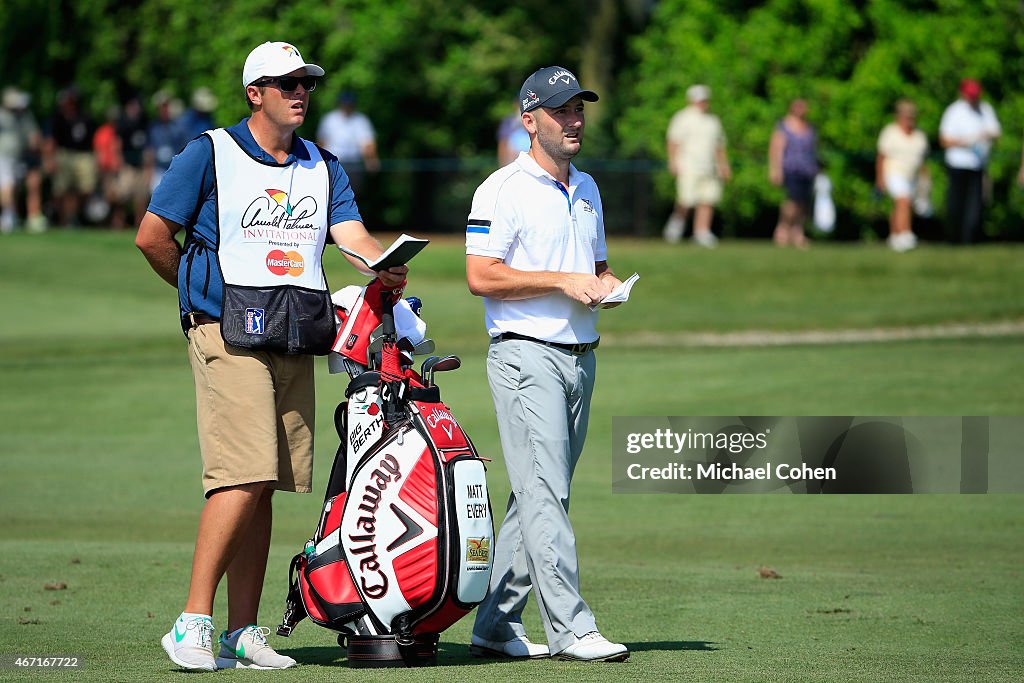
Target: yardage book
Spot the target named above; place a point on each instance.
(618, 295)
(398, 254)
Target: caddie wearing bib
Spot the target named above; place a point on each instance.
(535, 250)
(258, 205)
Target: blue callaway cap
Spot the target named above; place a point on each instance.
(551, 86)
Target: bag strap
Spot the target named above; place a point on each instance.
(294, 611)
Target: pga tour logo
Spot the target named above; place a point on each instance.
(254, 318)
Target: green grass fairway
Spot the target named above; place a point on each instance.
(99, 473)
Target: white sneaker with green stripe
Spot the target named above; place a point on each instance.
(247, 648)
(189, 643)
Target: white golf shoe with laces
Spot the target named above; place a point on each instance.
(189, 643)
(248, 649)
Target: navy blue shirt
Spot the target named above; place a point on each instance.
(187, 195)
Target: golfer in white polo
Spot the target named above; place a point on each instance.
(535, 250)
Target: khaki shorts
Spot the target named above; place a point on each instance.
(131, 184)
(695, 189)
(76, 172)
(255, 412)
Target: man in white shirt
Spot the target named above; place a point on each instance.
(349, 135)
(697, 159)
(535, 250)
(966, 132)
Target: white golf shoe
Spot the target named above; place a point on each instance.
(189, 643)
(249, 650)
(593, 647)
(517, 648)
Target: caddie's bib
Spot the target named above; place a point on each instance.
(272, 228)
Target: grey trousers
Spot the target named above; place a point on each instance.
(542, 401)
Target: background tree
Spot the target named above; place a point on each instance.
(436, 77)
(851, 61)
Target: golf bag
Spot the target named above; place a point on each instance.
(403, 546)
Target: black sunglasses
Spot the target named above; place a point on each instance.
(290, 83)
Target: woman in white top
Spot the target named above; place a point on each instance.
(902, 148)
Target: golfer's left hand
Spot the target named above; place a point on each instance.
(610, 282)
(393, 276)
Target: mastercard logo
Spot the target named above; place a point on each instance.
(285, 263)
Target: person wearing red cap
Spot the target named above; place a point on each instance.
(966, 132)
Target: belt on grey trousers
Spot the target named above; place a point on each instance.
(575, 349)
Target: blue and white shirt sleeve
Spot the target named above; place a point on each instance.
(601, 248)
(492, 226)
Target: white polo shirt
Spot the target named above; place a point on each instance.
(962, 121)
(530, 221)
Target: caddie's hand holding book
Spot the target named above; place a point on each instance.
(398, 254)
(618, 295)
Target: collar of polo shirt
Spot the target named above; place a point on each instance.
(528, 164)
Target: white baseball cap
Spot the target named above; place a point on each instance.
(275, 59)
(698, 93)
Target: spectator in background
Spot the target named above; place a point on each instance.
(966, 132)
(512, 138)
(19, 160)
(133, 181)
(792, 164)
(106, 144)
(68, 156)
(348, 135)
(167, 137)
(902, 148)
(1020, 173)
(697, 159)
(199, 117)
(10, 154)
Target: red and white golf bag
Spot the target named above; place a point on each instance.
(403, 547)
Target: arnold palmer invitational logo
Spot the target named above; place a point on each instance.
(273, 217)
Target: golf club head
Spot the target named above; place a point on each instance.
(444, 364)
(374, 346)
(447, 363)
(376, 342)
(424, 347)
(427, 365)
